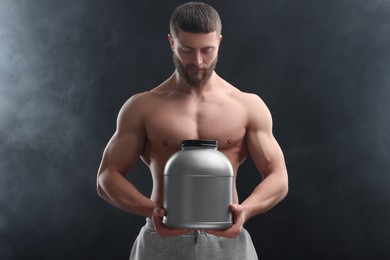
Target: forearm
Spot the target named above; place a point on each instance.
(118, 191)
(265, 196)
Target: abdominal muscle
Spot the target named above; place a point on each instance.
(171, 119)
(157, 171)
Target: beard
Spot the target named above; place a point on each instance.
(195, 79)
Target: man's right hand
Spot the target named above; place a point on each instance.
(162, 230)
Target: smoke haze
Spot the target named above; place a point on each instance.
(322, 67)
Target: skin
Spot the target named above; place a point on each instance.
(151, 125)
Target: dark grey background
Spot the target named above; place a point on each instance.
(323, 68)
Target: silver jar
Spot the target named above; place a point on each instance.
(198, 187)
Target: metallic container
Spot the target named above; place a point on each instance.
(198, 187)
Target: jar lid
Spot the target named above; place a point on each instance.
(200, 143)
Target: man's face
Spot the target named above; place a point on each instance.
(195, 56)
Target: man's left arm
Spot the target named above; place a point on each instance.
(269, 161)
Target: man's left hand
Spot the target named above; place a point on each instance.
(238, 223)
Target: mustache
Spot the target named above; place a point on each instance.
(196, 67)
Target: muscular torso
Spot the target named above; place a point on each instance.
(173, 116)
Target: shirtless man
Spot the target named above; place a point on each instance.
(194, 103)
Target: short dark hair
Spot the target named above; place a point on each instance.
(195, 17)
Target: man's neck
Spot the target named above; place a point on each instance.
(182, 86)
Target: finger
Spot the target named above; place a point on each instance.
(169, 232)
(218, 232)
(213, 232)
(159, 212)
(230, 232)
(177, 232)
(223, 233)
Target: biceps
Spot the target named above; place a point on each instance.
(265, 152)
(122, 152)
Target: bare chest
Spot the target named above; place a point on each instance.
(171, 122)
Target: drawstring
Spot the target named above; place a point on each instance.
(196, 235)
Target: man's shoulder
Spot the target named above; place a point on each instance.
(139, 99)
(136, 104)
(240, 94)
(252, 103)
(246, 98)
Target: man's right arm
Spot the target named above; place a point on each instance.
(120, 155)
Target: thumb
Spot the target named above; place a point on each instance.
(235, 208)
(159, 212)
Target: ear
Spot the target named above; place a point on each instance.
(220, 39)
(171, 41)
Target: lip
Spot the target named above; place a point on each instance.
(196, 69)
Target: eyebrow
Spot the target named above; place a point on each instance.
(207, 47)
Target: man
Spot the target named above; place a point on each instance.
(194, 103)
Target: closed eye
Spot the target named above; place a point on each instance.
(186, 50)
(208, 50)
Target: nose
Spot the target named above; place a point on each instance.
(197, 59)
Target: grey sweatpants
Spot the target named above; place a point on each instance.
(194, 246)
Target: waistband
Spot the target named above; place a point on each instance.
(196, 233)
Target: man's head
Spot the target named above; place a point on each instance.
(195, 37)
(195, 17)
